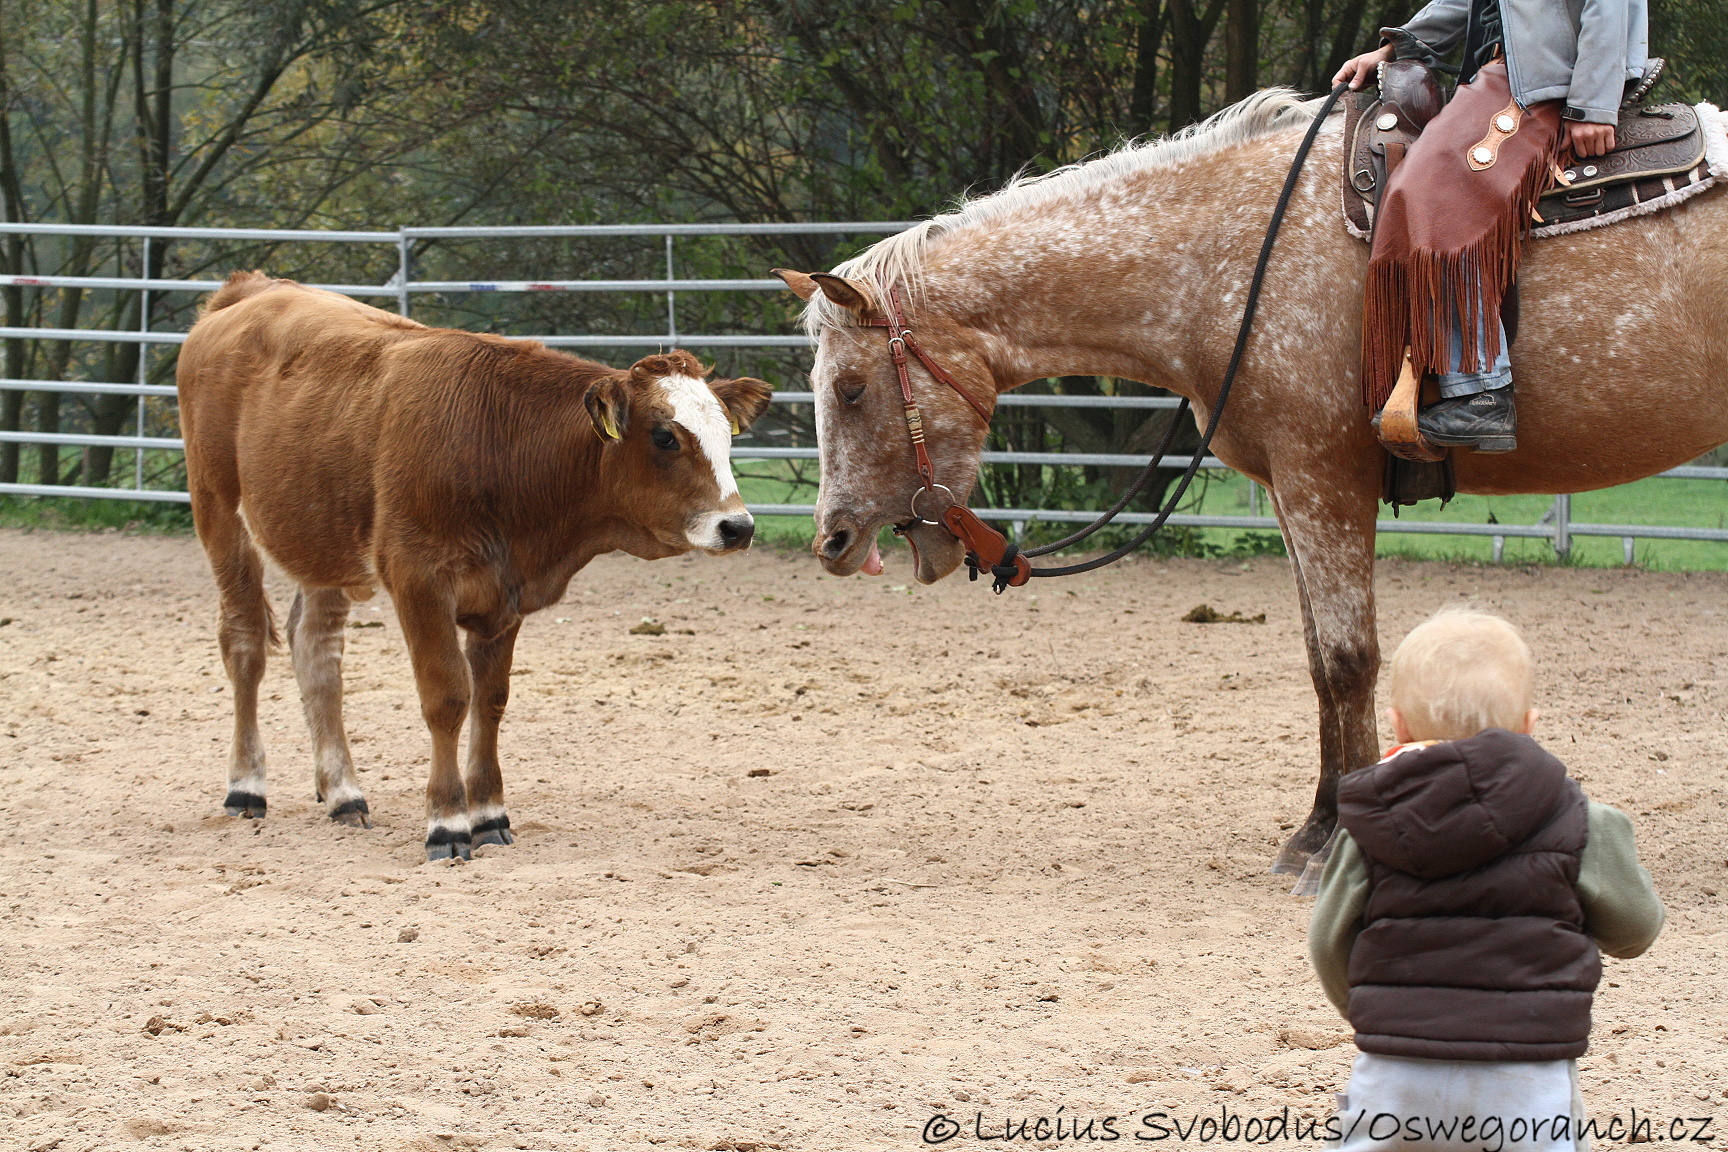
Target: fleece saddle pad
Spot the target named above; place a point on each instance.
(1662, 155)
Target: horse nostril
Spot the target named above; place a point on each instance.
(836, 544)
(737, 533)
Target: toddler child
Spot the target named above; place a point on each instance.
(1459, 916)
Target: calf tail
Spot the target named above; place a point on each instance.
(240, 285)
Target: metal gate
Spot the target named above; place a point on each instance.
(1557, 526)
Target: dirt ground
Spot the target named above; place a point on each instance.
(824, 860)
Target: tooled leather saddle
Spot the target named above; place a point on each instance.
(1658, 159)
(1661, 156)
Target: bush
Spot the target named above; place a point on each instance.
(75, 514)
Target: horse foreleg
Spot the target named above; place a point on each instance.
(1331, 544)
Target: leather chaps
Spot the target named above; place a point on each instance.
(1449, 228)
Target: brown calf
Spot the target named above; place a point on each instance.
(468, 474)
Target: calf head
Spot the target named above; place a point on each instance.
(668, 431)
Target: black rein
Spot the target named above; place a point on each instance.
(1250, 306)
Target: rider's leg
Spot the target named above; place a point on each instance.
(1475, 409)
(1447, 213)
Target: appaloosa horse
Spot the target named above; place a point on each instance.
(1135, 265)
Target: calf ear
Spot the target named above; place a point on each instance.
(802, 286)
(608, 402)
(853, 295)
(744, 399)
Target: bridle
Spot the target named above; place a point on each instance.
(1010, 565)
(983, 543)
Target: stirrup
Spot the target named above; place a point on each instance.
(1395, 424)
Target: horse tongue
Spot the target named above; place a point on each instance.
(873, 562)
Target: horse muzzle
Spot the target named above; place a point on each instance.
(843, 547)
(936, 552)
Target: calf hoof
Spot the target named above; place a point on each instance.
(448, 844)
(1297, 850)
(242, 803)
(492, 830)
(353, 813)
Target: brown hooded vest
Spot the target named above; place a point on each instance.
(1474, 945)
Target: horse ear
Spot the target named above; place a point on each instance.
(608, 403)
(853, 295)
(801, 285)
(745, 399)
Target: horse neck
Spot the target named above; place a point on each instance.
(1143, 280)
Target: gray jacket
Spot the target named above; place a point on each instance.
(1579, 51)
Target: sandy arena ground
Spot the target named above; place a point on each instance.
(847, 854)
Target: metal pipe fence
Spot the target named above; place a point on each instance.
(1556, 526)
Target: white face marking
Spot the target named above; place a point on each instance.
(695, 406)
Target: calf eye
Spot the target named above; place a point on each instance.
(665, 440)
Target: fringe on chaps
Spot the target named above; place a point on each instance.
(1448, 233)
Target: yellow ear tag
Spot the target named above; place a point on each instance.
(608, 428)
(737, 429)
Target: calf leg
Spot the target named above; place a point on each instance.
(1332, 552)
(489, 665)
(428, 615)
(244, 634)
(315, 639)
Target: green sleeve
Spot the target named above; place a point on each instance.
(1337, 918)
(1622, 912)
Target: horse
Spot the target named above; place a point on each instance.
(1135, 265)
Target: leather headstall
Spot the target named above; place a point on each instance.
(986, 548)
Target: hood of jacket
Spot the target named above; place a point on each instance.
(1452, 806)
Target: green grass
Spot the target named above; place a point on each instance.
(1693, 503)
(1697, 503)
(793, 533)
(66, 514)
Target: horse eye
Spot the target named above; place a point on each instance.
(665, 440)
(851, 390)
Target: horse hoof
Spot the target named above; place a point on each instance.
(249, 805)
(1308, 883)
(1294, 856)
(495, 830)
(353, 813)
(448, 844)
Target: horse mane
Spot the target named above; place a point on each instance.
(898, 260)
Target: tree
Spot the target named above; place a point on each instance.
(1241, 49)
(166, 110)
(341, 112)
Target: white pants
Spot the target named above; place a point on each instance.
(1411, 1105)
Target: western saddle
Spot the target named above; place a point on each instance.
(1658, 159)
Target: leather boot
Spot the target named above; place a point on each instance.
(1486, 421)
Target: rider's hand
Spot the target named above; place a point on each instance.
(1589, 139)
(1359, 69)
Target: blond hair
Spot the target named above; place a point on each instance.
(1461, 671)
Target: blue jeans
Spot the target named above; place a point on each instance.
(1459, 383)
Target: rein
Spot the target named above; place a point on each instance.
(987, 549)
